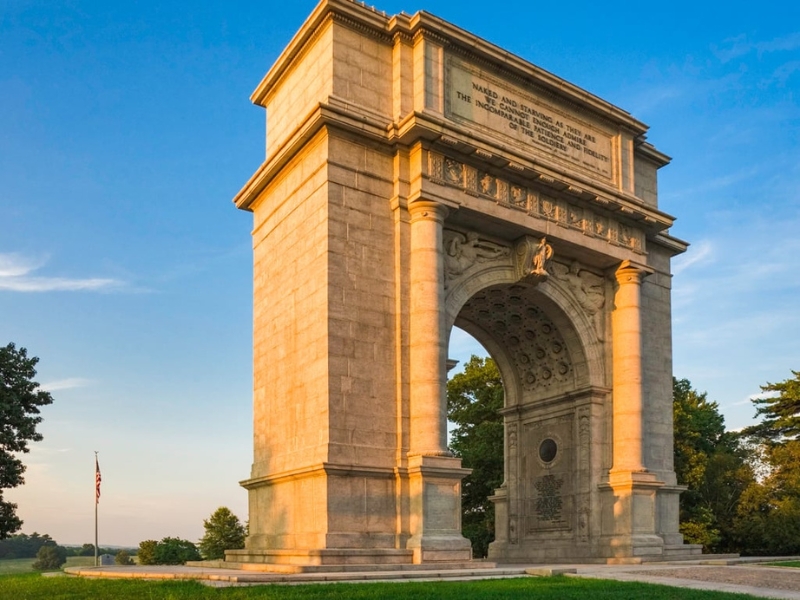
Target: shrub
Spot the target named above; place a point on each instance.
(147, 552)
(224, 531)
(123, 558)
(175, 551)
(49, 557)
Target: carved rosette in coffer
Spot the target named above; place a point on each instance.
(548, 475)
(534, 344)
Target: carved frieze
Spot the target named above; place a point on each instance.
(451, 172)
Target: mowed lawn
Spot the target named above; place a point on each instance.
(787, 563)
(36, 587)
(25, 565)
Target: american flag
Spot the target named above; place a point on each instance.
(97, 480)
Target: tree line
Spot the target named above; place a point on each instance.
(27, 546)
(743, 486)
(223, 531)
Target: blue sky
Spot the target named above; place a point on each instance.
(126, 129)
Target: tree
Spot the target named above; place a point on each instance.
(123, 558)
(23, 546)
(712, 463)
(50, 556)
(474, 400)
(768, 516)
(20, 401)
(146, 554)
(169, 551)
(86, 550)
(781, 411)
(175, 551)
(224, 531)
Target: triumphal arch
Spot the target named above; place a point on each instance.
(418, 178)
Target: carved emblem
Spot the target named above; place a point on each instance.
(436, 166)
(487, 184)
(543, 253)
(519, 197)
(512, 438)
(531, 258)
(453, 171)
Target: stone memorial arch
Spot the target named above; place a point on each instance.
(416, 178)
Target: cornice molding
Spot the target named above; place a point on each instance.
(385, 28)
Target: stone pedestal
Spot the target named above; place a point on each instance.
(629, 501)
(435, 497)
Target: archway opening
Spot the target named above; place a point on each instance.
(541, 499)
(475, 398)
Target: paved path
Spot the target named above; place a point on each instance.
(761, 581)
(744, 577)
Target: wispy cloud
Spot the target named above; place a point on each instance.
(786, 70)
(740, 46)
(749, 400)
(13, 264)
(715, 184)
(66, 384)
(698, 253)
(652, 97)
(15, 276)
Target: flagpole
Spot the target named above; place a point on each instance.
(96, 502)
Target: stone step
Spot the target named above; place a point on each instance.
(683, 549)
(692, 555)
(430, 574)
(222, 576)
(341, 568)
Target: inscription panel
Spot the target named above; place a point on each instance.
(481, 99)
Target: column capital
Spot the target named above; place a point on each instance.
(631, 272)
(428, 210)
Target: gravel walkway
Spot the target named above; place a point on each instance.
(776, 578)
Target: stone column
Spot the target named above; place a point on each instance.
(434, 476)
(428, 347)
(630, 495)
(626, 326)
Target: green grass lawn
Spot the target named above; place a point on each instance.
(16, 565)
(788, 563)
(35, 587)
(25, 565)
